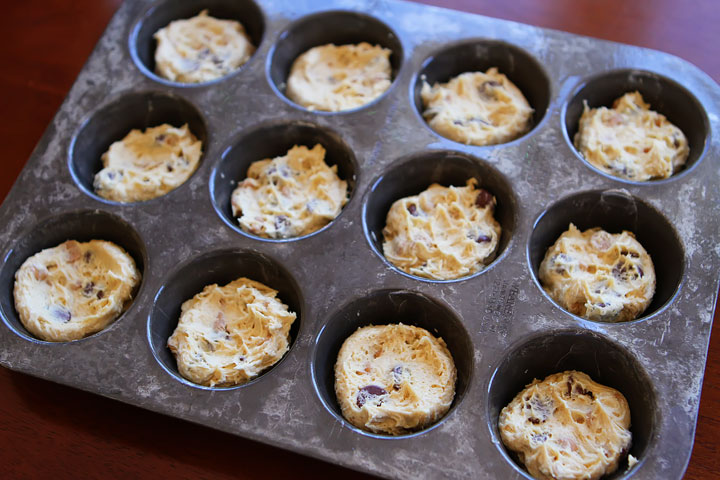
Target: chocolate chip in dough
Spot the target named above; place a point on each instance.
(480, 120)
(483, 199)
(369, 392)
(281, 222)
(541, 406)
(486, 88)
(62, 313)
(397, 377)
(581, 391)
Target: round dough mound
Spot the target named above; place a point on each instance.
(394, 379)
(289, 196)
(598, 275)
(334, 78)
(630, 140)
(148, 164)
(567, 427)
(73, 290)
(201, 49)
(228, 335)
(443, 233)
(477, 108)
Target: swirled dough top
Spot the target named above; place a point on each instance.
(201, 48)
(228, 335)
(394, 378)
(75, 289)
(567, 427)
(289, 196)
(334, 78)
(477, 108)
(148, 164)
(443, 233)
(598, 275)
(630, 140)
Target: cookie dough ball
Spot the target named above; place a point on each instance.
(229, 335)
(443, 233)
(334, 78)
(289, 196)
(631, 141)
(75, 289)
(477, 108)
(567, 427)
(148, 164)
(201, 49)
(598, 275)
(394, 379)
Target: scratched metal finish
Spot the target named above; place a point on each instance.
(499, 308)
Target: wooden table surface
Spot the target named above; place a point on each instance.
(51, 431)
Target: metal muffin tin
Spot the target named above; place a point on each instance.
(501, 328)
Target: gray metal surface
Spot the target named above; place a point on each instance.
(499, 308)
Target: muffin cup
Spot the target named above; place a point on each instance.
(614, 211)
(113, 121)
(218, 267)
(385, 307)
(478, 55)
(414, 174)
(664, 95)
(143, 45)
(270, 141)
(339, 27)
(604, 361)
(81, 225)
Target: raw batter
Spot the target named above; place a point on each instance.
(289, 196)
(598, 275)
(443, 233)
(148, 164)
(567, 427)
(631, 141)
(229, 335)
(334, 78)
(394, 378)
(477, 108)
(201, 48)
(75, 289)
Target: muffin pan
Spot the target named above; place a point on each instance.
(501, 328)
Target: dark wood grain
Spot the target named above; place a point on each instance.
(51, 431)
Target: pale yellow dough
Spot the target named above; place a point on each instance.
(289, 196)
(394, 379)
(201, 48)
(148, 164)
(598, 275)
(477, 108)
(631, 141)
(334, 78)
(229, 335)
(567, 427)
(443, 233)
(75, 289)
